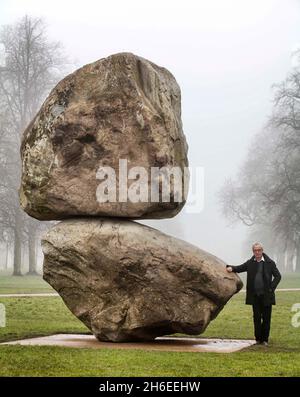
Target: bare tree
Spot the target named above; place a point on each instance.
(30, 68)
(266, 191)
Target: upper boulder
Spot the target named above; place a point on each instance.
(122, 107)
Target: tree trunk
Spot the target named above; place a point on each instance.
(280, 259)
(298, 257)
(290, 258)
(32, 253)
(6, 256)
(17, 246)
(17, 254)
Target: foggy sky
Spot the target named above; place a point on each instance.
(224, 54)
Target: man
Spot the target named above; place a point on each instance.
(262, 280)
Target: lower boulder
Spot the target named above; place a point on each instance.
(130, 282)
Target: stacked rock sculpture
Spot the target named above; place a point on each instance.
(100, 128)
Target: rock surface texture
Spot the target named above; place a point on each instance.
(127, 282)
(119, 107)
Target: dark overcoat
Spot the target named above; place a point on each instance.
(271, 277)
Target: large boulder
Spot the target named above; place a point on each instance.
(126, 281)
(119, 107)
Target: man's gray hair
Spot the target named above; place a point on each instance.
(257, 245)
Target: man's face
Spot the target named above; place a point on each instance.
(257, 251)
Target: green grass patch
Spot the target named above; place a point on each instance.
(29, 317)
(23, 285)
(59, 361)
(39, 316)
(288, 280)
(35, 284)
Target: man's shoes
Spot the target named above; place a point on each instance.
(262, 342)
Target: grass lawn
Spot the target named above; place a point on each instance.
(28, 317)
(288, 280)
(35, 284)
(23, 284)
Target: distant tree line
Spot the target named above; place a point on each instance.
(265, 194)
(30, 65)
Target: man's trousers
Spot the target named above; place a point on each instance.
(261, 319)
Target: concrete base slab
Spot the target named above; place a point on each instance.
(165, 343)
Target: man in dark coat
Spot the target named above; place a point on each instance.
(262, 280)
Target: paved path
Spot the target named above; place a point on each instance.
(56, 294)
(164, 343)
